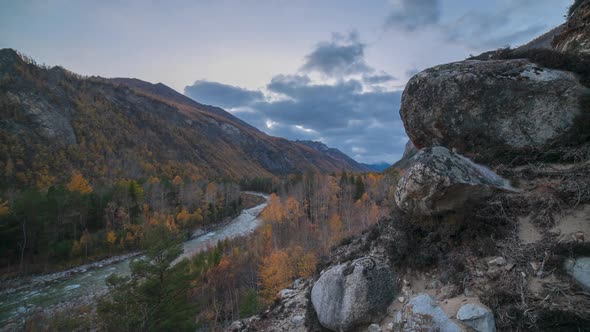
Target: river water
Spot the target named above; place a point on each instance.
(88, 283)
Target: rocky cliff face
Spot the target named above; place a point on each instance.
(576, 36)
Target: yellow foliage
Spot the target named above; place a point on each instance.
(177, 180)
(275, 274)
(111, 237)
(184, 217)
(4, 208)
(171, 224)
(79, 184)
(274, 210)
(335, 224)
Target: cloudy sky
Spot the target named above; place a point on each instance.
(328, 70)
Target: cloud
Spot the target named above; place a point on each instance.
(378, 78)
(492, 29)
(354, 112)
(343, 55)
(222, 95)
(413, 14)
(480, 28)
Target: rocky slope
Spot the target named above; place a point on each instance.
(496, 245)
(53, 122)
(575, 37)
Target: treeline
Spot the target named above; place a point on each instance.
(75, 222)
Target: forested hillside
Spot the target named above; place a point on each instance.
(54, 122)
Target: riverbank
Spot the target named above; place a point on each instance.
(51, 294)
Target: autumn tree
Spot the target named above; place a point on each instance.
(275, 274)
(79, 184)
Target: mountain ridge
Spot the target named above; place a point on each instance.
(55, 122)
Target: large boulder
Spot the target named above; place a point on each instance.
(492, 109)
(576, 35)
(422, 313)
(352, 294)
(440, 181)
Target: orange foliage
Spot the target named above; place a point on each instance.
(79, 184)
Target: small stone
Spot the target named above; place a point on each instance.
(478, 317)
(468, 292)
(298, 282)
(374, 328)
(285, 294)
(434, 284)
(447, 292)
(579, 269)
(499, 261)
(401, 299)
(236, 326)
(298, 320)
(389, 327)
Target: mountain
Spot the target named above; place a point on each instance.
(409, 152)
(379, 167)
(54, 122)
(333, 153)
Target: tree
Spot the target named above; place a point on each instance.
(156, 297)
(111, 238)
(79, 184)
(4, 208)
(275, 274)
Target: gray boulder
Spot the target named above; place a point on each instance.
(579, 269)
(477, 317)
(492, 109)
(422, 313)
(352, 294)
(439, 181)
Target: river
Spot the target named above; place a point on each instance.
(42, 292)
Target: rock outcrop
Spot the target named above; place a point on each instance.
(440, 181)
(492, 109)
(352, 294)
(576, 36)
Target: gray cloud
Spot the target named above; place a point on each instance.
(343, 55)
(378, 78)
(221, 95)
(354, 115)
(479, 30)
(413, 14)
(486, 30)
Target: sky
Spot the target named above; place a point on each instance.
(325, 70)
